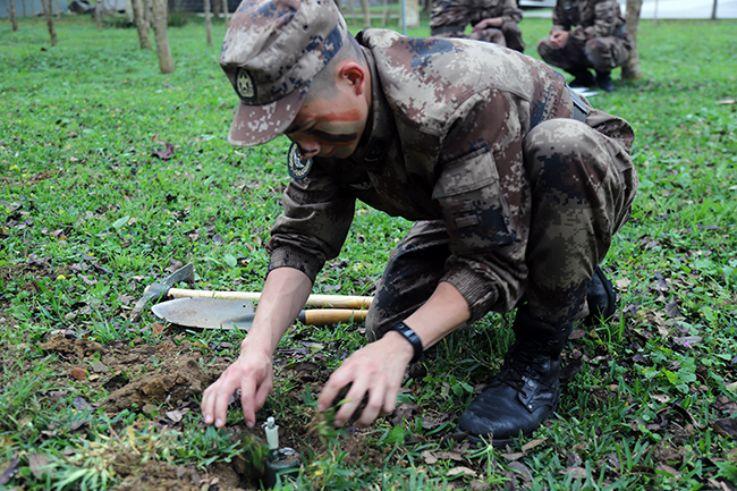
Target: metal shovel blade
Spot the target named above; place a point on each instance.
(206, 313)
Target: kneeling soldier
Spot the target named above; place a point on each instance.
(587, 34)
(516, 188)
(493, 21)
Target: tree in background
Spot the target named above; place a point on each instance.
(46, 4)
(11, 14)
(366, 13)
(139, 17)
(166, 62)
(208, 21)
(714, 10)
(631, 69)
(98, 14)
(225, 11)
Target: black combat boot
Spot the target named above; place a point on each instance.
(601, 298)
(526, 390)
(604, 81)
(582, 78)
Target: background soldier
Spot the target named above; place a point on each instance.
(515, 186)
(587, 34)
(493, 21)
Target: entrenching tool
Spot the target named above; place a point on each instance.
(158, 289)
(234, 310)
(186, 273)
(217, 313)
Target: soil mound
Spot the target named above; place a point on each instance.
(173, 382)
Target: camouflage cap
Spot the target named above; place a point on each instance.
(272, 51)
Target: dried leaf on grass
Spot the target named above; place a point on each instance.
(575, 472)
(38, 464)
(461, 471)
(522, 470)
(165, 153)
(726, 427)
(9, 471)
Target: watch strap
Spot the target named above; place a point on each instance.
(412, 338)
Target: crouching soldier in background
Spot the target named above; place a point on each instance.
(493, 21)
(587, 34)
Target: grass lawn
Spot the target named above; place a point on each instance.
(89, 217)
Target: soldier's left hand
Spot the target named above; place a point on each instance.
(376, 369)
(489, 22)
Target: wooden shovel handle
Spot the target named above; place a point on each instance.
(321, 317)
(335, 301)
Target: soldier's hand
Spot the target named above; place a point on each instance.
(253, 374)
(486, 23)
(376, 369)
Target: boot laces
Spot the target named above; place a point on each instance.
(523, 362)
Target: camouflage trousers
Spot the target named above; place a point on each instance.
(602, 54)
(449, 18)
(582, 184)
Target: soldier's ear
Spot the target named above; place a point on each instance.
(353, 74)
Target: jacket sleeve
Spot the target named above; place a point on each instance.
(511, 13)
(480, 191)
(317, 214)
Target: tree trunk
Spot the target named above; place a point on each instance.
(225, 11)
(208, 21)
(631, 69)
(216, 8)
(366, 14)
(49, 20)
(166, 63)
(148, 12)
(98, 14)
(714, 10)
(139, 17)
(11, 14)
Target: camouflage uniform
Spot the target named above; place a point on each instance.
(598, 36)
(449, 18)
(511, 196)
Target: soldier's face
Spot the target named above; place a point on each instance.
(331, 123)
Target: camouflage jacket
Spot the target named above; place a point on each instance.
(444, 142)
(447, 12)
(588, 19)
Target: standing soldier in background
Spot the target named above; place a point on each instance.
(587, 34)
(493, 21)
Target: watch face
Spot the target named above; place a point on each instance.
(244, 85)
(298, 168)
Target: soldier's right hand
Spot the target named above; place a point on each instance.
(253, 374)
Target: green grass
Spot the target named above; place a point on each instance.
(88, 217)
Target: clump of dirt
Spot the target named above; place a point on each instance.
(159, 476)
(174, 381)
(71, 347)
(146, 374)
(224, 477)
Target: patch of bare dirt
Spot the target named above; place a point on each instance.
(174, 381)
(158, 476)
(70, 347)
(147, 374)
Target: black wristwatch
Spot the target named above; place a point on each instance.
(412, 338)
